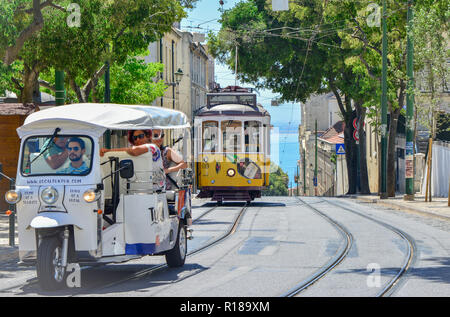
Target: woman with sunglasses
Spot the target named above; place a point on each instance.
(168, 156)
(140, 140)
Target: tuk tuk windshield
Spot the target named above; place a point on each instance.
(60, 155)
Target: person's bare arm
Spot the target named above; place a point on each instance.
(133, 151)
(177, 159)
(57, 160)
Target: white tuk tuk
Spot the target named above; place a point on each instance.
(94, 209)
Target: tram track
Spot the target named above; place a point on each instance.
(410, 258)
(161, 267)
(390, 287)
(332, 263)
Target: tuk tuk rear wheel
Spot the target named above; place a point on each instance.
(51, 275)
(177, 256)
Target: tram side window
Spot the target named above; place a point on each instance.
(252, 132)
(210, 142)
(231, 135)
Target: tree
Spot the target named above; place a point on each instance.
(299, 52)
(19, 21)
(367, 40)
(108, 31)
(133, 82)
(278, 182)
(431, 29)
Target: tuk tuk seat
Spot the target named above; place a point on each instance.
(145, 178)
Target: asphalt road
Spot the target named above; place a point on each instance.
(278, 245)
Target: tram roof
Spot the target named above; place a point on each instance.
(233, 109)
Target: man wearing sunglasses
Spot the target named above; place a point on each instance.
(76, 149)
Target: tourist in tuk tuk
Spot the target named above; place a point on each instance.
(168, 155)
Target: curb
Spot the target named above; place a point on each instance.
(400, 207)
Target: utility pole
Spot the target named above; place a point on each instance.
(409, 157)
(315, 162)
(383, 191)
(107, 99)
(304, 172)
(59, 85)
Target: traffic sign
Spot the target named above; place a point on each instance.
(340, 149)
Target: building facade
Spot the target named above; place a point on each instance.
(188, 73)
(323, 108)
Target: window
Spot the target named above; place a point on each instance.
(63, 155)
(231, 136)
(210, 142)
(252, 132)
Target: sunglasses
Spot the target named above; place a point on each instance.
(75, 148)
(158, 135)
(140, 136)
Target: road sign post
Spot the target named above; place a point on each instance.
(315, 162)
(383, 188)
(409, 157)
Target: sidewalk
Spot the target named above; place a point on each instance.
(6, 252)
(437, 208)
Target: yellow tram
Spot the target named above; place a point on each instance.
(232, 146)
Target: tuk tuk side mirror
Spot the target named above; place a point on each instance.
(126, 168)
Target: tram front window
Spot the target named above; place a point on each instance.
(231, 135)
(252, 132)
(210, 136)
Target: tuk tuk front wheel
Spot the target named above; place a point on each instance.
(51, 274)
(177, 256)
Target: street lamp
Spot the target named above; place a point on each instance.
(178, 76)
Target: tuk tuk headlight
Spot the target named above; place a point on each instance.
(13, 197)
(49, 195)
(91, 195)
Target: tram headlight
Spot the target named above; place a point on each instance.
(91, 195)
(13, 197)
(49, 195)
(231, 172)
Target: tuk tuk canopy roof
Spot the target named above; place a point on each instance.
(101, 116)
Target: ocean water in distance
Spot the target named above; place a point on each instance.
(285, 119)
(284, 151)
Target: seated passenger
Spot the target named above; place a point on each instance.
(76, 149)
(140, 141)
(56, 154)
(168, 155)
